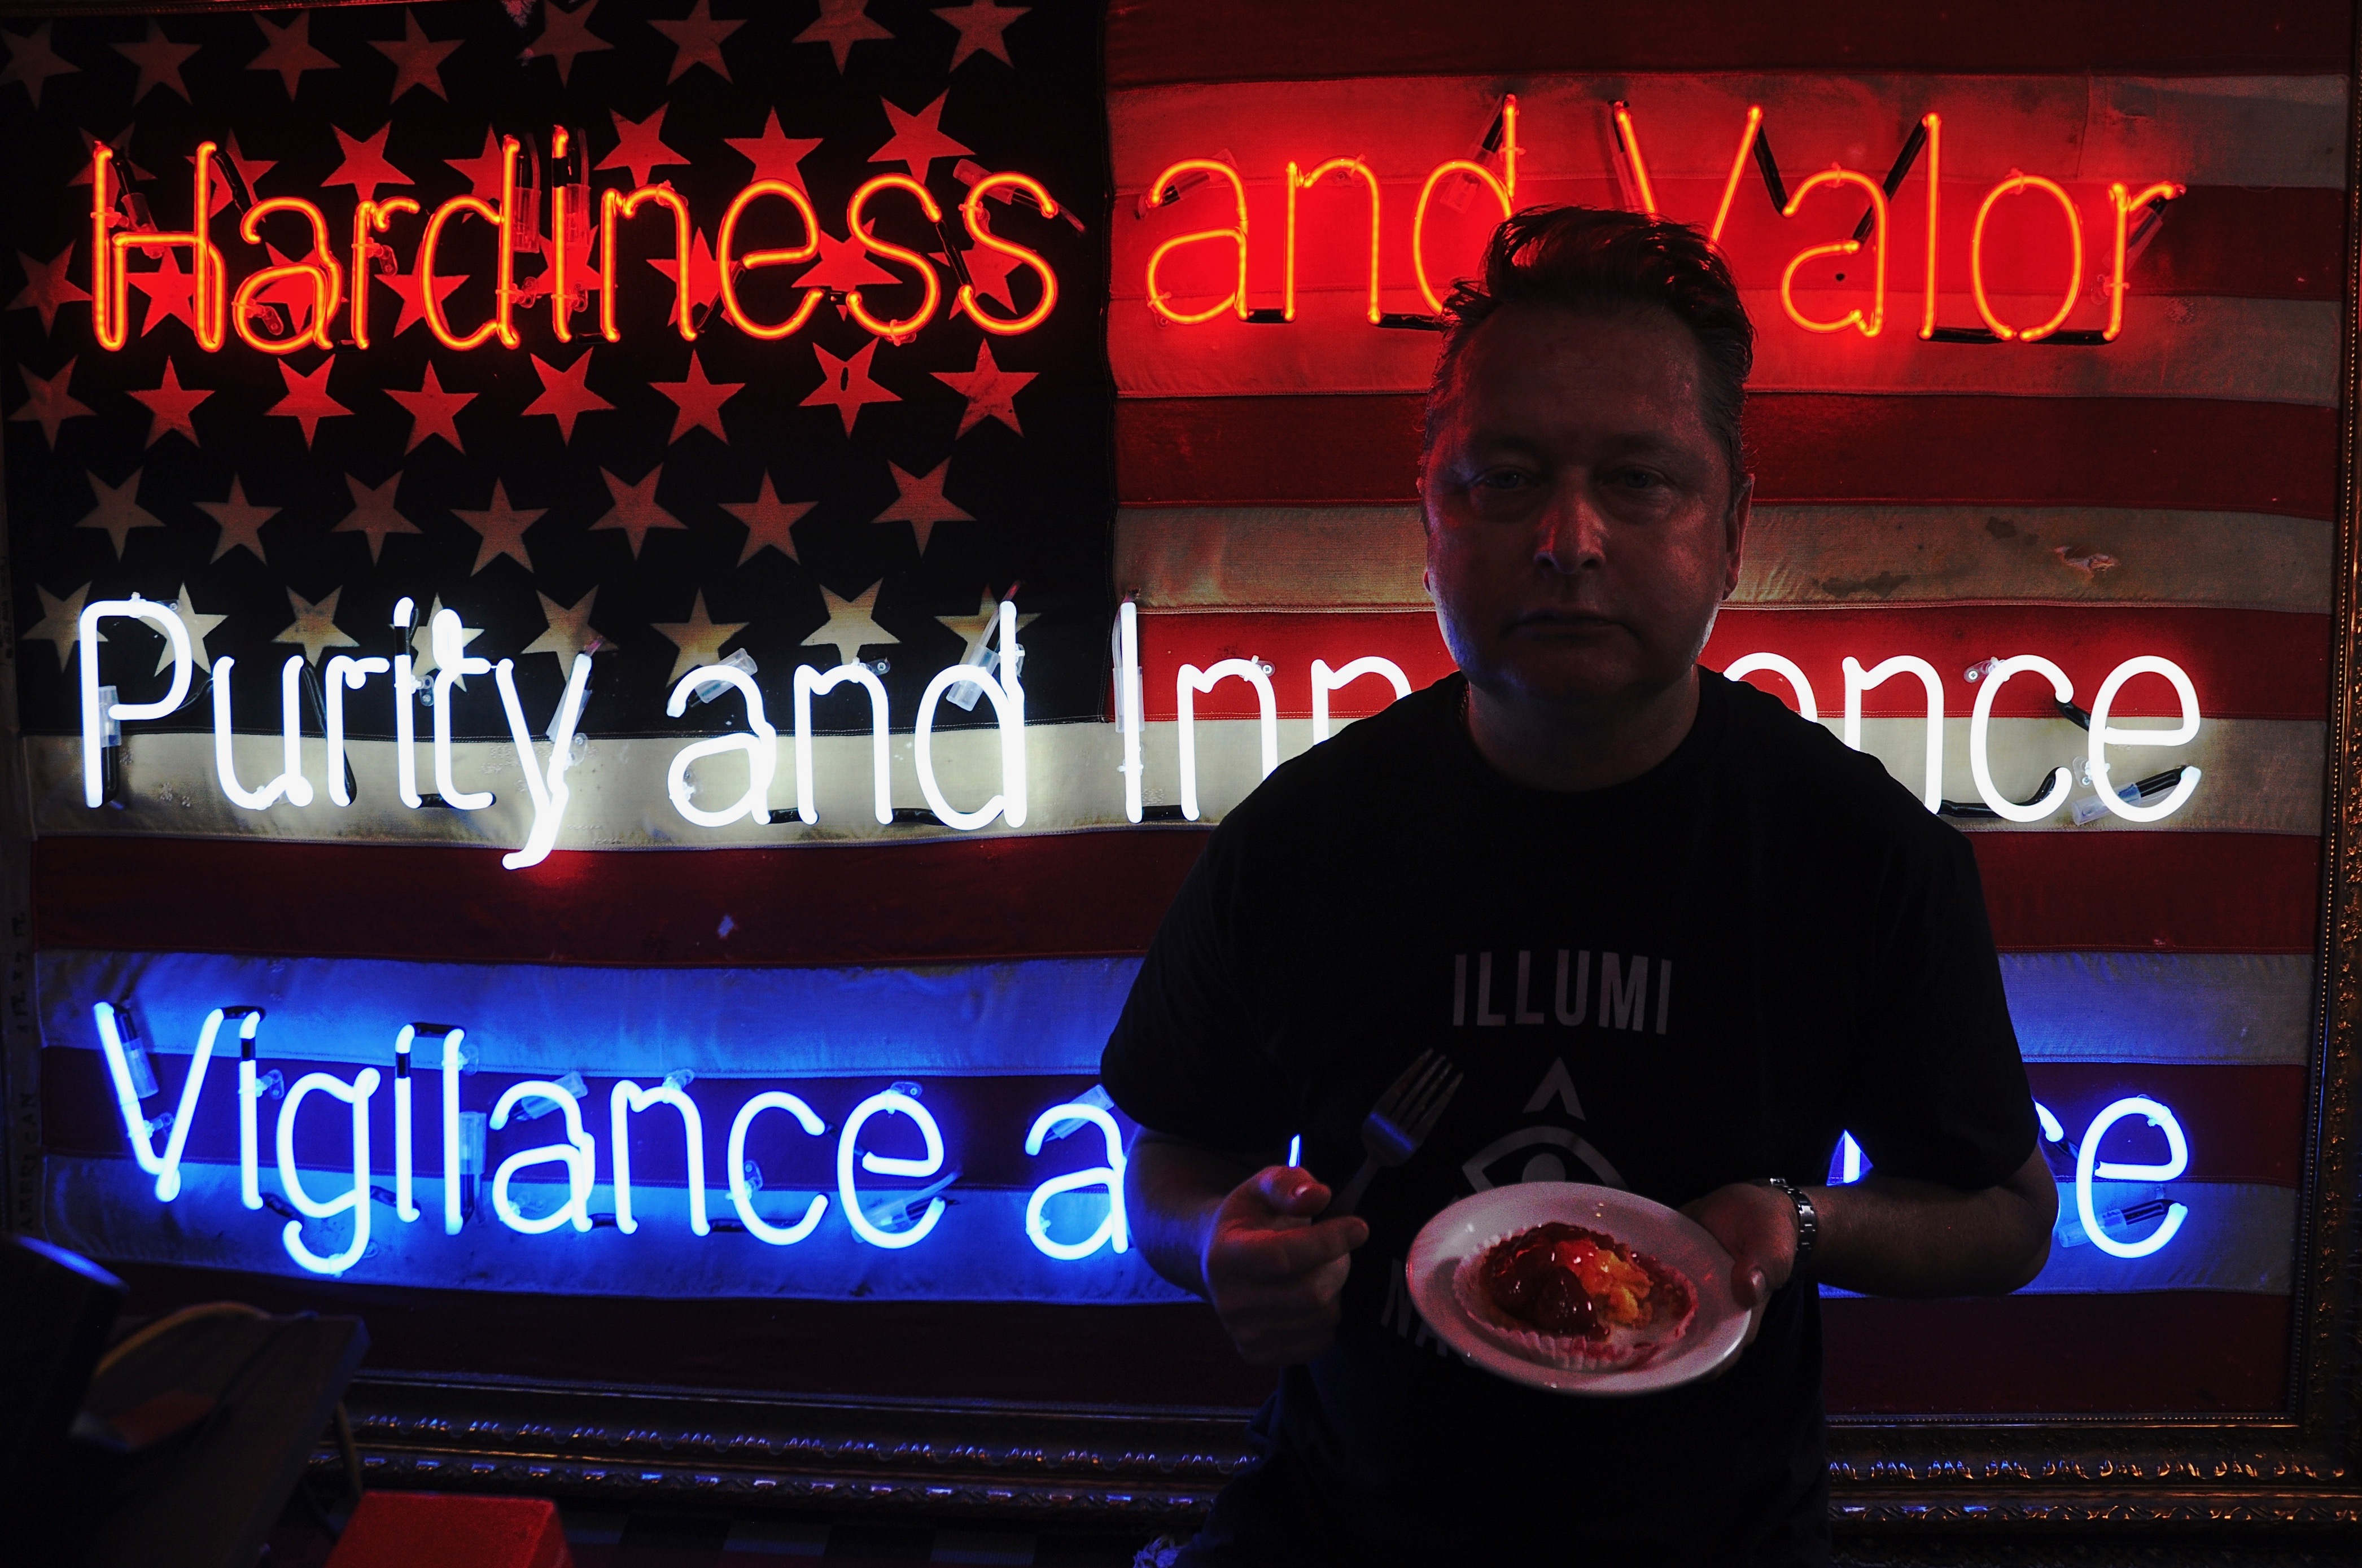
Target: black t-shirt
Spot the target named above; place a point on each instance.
(1698, 977)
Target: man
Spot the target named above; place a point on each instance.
(1677, 938)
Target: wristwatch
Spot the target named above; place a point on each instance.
(1809, 1218)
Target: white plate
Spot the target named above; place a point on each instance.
(1672, 1239)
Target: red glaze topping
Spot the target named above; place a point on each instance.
(1564, 1279)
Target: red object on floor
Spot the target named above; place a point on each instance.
(403, 1530)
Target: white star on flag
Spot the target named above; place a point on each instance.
(922, 503)
(698, 640)
(422, 643)
(768, 521)
(417, 58)
(852, 625)
(32, 61)
(842, 24)
(976, 631)
(241, 521)
(118, 511)
(373, 514)
(697, 40)
(502, 529)
(566, 631)
(290, 51)
(634, 508)
(315, 625)
(201, 626)
(564, 34)
(981, 25)
(60, 621)
(918, 139)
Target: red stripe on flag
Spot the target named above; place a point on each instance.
(2272, 245)
(2163, 1351)
(2204, 892)
(1051, 895)
(2166, 1350)
(1057, 895)
(1151, 42)
(912, 1350)
(2248, 664)
(2185, 454)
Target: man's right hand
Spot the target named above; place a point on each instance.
(1273, 1270)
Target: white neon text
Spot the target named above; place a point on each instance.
(1113, 1231)
(545, 784)
(2103, 734)
(354, 1198)
(810, 683)
(96, 716)
(762, 749)
(1009, 706)
(1326, 681)
(452, 663)
(888, 1103)
(629, 1096)
(1185, 686)
(741, 1197)
(2089, 1165)
(576, 1154)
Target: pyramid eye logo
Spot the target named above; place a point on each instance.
(1552, 1154)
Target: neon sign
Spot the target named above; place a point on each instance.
(890, 1221)
(1497, 176)
(891, 1226)
(2092, 1224)
(996, 680)
(306, 294)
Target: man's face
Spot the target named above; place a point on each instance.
(1583, 522)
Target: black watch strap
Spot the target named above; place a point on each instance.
(1809, 1218)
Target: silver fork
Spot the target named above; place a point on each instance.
(1399, 1123)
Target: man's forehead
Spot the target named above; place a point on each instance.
(1626, 376)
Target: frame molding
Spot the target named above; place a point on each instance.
(1996, 1481)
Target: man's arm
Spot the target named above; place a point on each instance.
(1889, 1235)
(1244, 1239)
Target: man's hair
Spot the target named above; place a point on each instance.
(1603, 262)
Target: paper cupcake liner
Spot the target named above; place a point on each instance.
(1623, 1348)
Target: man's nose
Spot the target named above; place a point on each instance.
(1572, 535)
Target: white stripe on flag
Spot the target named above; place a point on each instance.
(2213, 1009)
(2200, 130)
(2261, 776)
(2184, 346)
(1041, 1016)
(1372, 558)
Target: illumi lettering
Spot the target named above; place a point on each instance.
(1626, 999)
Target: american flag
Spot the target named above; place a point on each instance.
(1960, 500)
(2172, 493)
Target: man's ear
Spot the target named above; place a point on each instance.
(1734, 534)
(1426, 529)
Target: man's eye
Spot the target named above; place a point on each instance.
(1503, 478)
(1636, 480)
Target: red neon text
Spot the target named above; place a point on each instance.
(1998, 228)
(287, 305)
